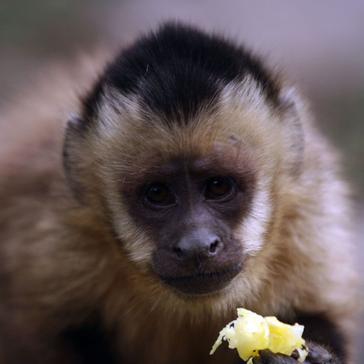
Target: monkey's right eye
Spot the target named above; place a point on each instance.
(159, 195)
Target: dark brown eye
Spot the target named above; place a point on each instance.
(158, 194)
(219, 188)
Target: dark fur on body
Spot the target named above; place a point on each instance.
(76, 278)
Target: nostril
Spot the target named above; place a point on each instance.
(213, 246)
(178, 251)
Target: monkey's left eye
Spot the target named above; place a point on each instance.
(159, 195)
(219, 188)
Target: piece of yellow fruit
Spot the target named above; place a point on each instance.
(251, 332)
(284, 338)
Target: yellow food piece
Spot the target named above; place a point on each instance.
(284, 338)
(251, 332)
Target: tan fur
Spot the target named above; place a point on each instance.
(60, 262)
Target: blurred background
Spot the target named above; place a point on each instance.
(318, 44)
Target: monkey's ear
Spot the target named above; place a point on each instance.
(294, 112)
(73, 152)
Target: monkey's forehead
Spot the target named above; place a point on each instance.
(226, 161)
(240, 125)
(131, 174)
(141, 154)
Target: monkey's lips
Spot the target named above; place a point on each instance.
(202, 282)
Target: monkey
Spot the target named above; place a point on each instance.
(190, 180)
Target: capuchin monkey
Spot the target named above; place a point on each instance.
(190, 181)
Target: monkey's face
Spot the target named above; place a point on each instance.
(181, 148)
(190, 204)
(191, 208)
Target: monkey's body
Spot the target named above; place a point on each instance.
(79, 277)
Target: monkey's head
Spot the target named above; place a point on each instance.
(180, 146)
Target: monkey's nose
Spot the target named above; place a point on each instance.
(199, 243)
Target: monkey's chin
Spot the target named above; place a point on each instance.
(202, 283)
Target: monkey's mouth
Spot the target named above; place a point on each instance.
(202, 282)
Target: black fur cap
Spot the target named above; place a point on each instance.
(177, 70)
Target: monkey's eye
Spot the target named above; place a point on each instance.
(219, 188)
(159, 195)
